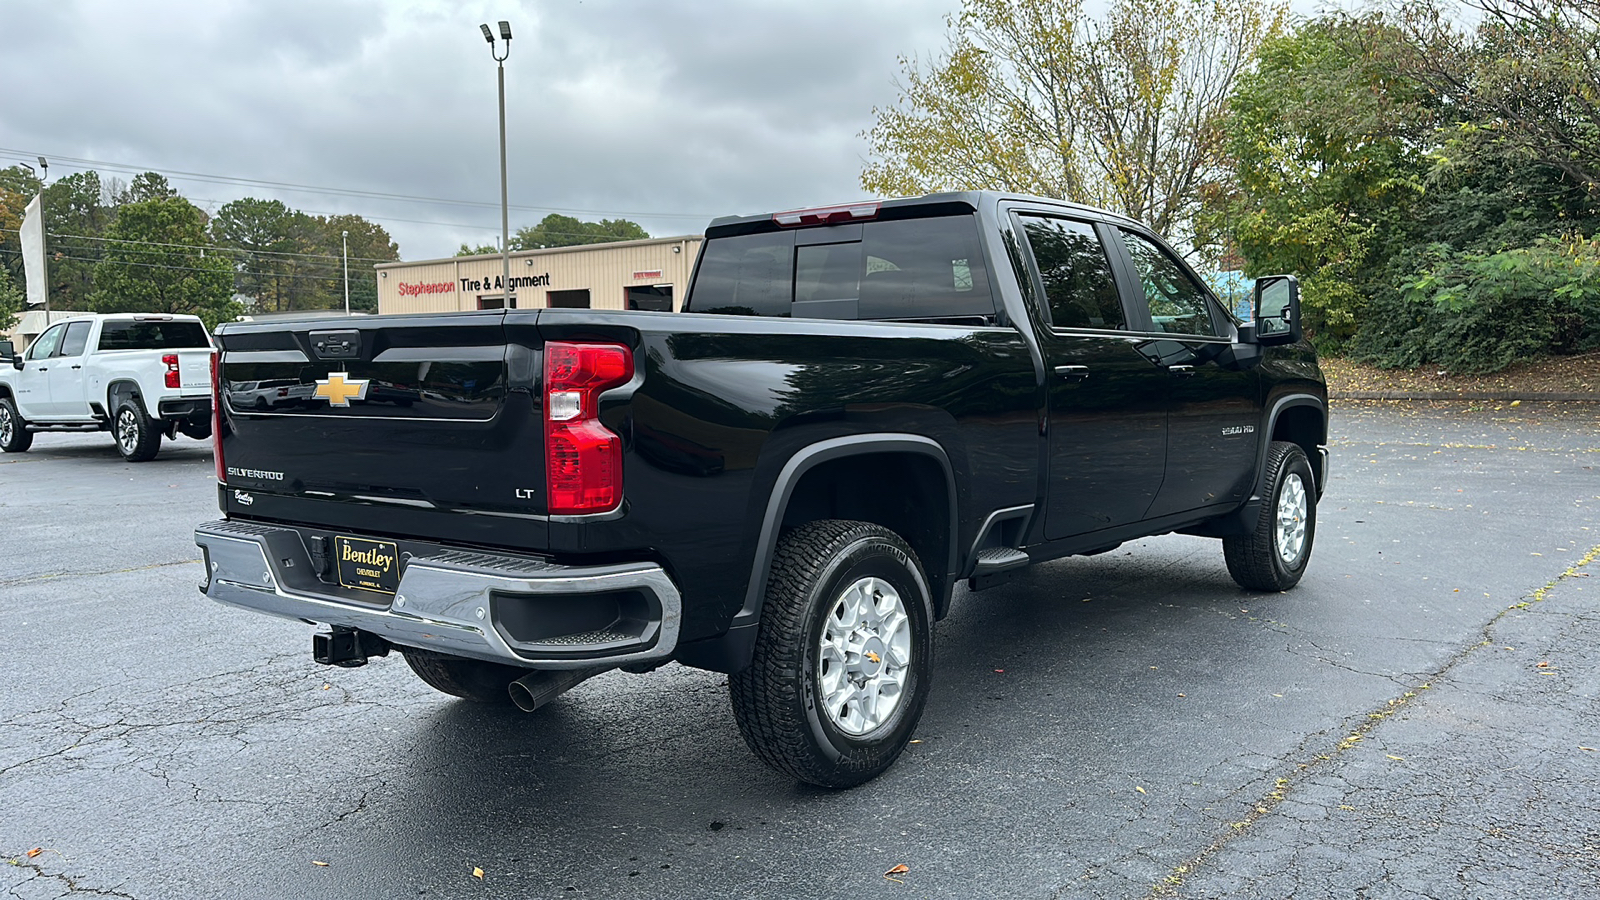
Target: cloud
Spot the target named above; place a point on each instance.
(667, 114)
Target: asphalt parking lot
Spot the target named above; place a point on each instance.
(1419, 718)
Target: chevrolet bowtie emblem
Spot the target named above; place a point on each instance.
(339, 388)
(874, 657)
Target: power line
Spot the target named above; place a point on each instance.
(214, 247)
(230, 271)
(338, 192)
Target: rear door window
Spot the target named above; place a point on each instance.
(152, 335)
(1079, 288)
(77, 336)
(924, 269)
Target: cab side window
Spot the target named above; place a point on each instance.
(76, 339)
(47, 342)
(1079, 288)
(1178, 304)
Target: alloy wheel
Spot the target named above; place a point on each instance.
(865, 656)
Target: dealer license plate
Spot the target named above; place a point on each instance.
(367, 565)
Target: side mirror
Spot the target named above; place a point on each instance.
(1277, 310)
(16, 362)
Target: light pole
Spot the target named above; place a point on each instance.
(45, 234)
(345, 238)
(505, 210)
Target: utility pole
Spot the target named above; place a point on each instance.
(505, 209)
(345, 237)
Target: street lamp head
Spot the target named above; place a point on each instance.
(505, 30)
(487, 34)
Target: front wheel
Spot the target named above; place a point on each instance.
(14, 434)
(843, 658)
(138, 439)
(1273, 556)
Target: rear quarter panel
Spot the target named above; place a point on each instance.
(721, 403)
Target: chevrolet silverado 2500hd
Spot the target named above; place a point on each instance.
(860, 407)
(138, 376)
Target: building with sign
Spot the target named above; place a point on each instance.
(651, 274)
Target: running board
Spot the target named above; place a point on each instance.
(995, 565)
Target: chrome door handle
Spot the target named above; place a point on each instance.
(1073, 371)
(1181, 371)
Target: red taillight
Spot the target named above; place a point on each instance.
(583, 459)
(171, 362)
(828, 215)
(216, 415)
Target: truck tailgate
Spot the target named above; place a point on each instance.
(419, 426)
(194, 371)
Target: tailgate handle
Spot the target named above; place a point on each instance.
(344, 344)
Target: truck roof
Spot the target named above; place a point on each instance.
(954, 200)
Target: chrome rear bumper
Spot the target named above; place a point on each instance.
(486, 606)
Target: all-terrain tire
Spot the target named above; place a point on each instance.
(1273, 556)
(818, 571)
(14, 434)
(138, 439)
(469, 679)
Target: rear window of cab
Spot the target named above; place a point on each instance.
(897, 270)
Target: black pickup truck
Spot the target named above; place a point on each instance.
(860, 407)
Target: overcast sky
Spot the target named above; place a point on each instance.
(664, 113)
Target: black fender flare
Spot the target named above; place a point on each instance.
(809, 457)
(122, 389)
(1270, 421)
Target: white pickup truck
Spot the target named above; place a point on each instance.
(139, 376)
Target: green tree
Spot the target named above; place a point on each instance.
(483, 249)
(12, 300)
(281, 260)
(370, 244)
(75, 218)
(155, 261)
(556, 230)
(17, 187)
(1328, 148)
(1123, 112)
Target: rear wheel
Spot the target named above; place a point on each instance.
(843, 656)
(469, 679)
(138, 439)
(1273, 556)
(14, 434)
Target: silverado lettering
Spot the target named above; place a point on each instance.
(865, 413)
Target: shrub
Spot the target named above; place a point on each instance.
(1477, 313)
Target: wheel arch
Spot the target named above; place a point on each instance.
(813, 483)
(1300, 419)
(123, 389)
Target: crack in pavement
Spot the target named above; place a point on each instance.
(51, 576)
(1273, 800)
(71, 883)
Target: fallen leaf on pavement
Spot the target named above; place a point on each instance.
(477, 873)
(35, 852)
(897, 870)
(1395, 758)
(1590, 749)
(318, 862)
(1544, 664)
(1140, 789)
